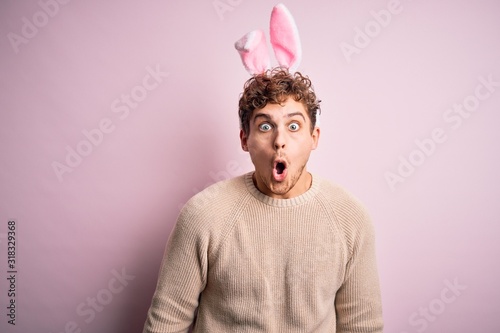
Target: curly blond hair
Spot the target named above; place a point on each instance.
(275, 86)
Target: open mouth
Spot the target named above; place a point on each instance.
(280, 167)
(279, 171)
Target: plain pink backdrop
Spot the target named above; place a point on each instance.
(113, 212)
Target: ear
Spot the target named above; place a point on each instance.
(253, 51)
(285, 38)
(244, 140)
(315, 137)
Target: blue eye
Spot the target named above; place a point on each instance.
(265, 127)
(294, 127)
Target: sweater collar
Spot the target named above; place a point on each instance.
(298, 200)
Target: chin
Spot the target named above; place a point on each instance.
(281, 188)
(284, 186)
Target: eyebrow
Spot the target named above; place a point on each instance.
(290, 115)
(268, 117)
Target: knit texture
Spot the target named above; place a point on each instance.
(240, 261)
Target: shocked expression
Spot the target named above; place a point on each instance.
(280, 142)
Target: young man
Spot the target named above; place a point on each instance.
(276, 249)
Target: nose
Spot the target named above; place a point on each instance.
(279, 139)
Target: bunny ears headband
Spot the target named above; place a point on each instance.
(285, 41)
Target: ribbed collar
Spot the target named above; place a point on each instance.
(303, 198)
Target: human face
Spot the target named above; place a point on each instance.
(280, 142)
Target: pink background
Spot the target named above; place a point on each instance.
(113, 212)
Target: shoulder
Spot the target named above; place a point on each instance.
(342, 200)
(216, 201)
(348, 213)
(209, 215)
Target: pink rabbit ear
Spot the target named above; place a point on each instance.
(285, 38)
(253, 51)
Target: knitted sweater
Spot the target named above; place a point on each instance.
(240, 261)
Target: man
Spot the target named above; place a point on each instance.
(276, 249)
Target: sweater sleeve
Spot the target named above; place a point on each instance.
(181, 279)
(358, 302)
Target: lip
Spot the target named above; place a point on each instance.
(279, 177)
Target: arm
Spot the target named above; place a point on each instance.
(358, 303)
(181, 280)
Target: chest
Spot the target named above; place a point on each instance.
(271, 257)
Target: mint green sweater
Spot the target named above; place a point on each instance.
(240, 261)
